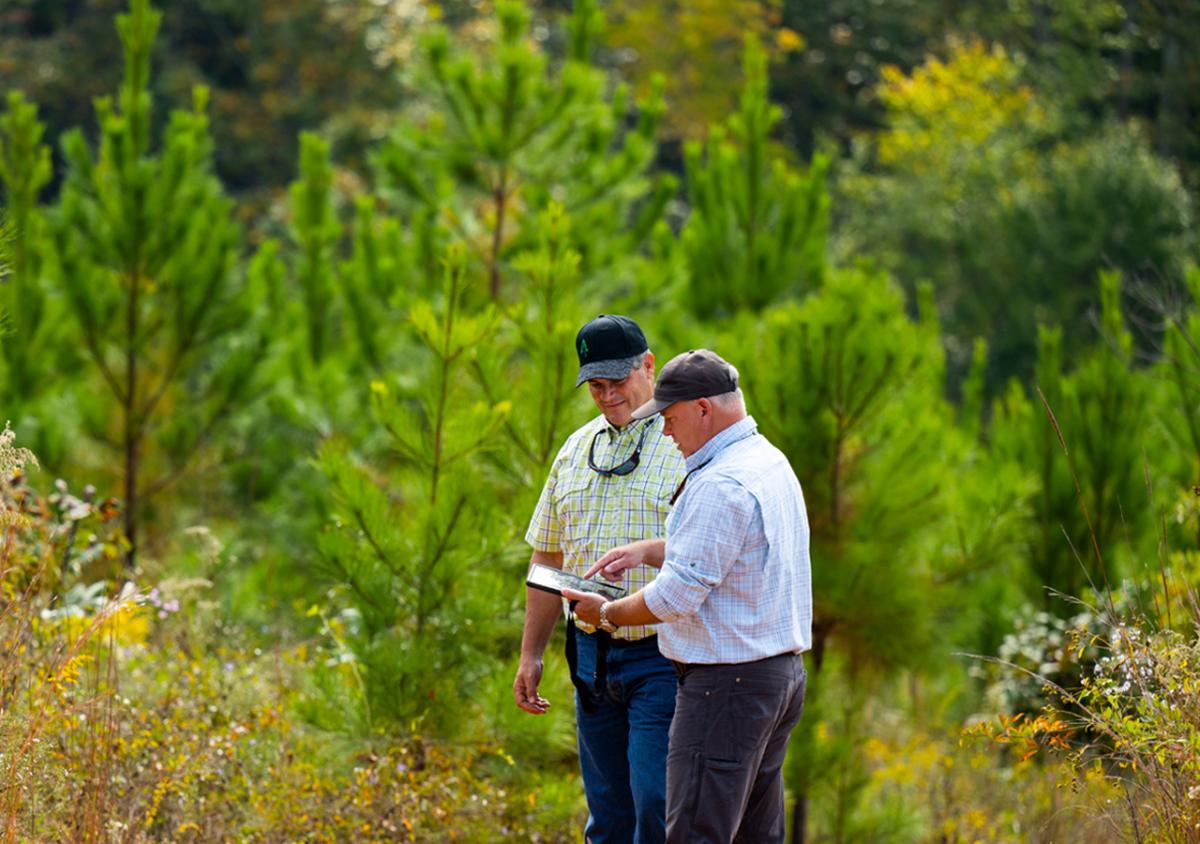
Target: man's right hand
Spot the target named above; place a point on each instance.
(525, 687)
(649, 552)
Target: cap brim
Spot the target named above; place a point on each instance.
(650, 408)
(615, 369)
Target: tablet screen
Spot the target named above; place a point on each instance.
(555, 580)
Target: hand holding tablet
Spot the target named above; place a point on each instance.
(556, 580)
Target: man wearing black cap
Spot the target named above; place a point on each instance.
(733, 601)
(610, 485)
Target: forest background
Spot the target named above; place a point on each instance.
(288, 304)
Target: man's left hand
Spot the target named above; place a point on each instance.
(587, 609)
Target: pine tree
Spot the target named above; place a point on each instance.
(35, 349)
(1083, 433)
(411, 538)
(507, 134)
(841, 384)
(387, 271)
(538, 336)
(317, 233)
(757, 228)
(1180, 370)
(146, 246)
(537, 171)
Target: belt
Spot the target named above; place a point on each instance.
(682, 668)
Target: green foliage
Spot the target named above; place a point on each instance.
(412, 549)
(4, 250)
(146, 249)
(912, 521)
(1106, 60)
(1180, 370)
(539, 335)
(388, 269)
(1130, 721)
(150, 717)
(1070, 45)
(978, 188)
(1041, 651)
(757, 228)
(1095, 414)
(694, 46)
(981, 560)
(317, 233)
(434, 391)
(824, 85)
(275, 68)
(312, 355)
(504, 136)
(35, 347)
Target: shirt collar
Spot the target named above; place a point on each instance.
(737, 431)
(634, 428)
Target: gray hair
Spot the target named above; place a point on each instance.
(733, 400)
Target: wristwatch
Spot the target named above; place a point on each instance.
(606, 625)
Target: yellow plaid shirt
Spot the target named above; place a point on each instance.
(583, 514)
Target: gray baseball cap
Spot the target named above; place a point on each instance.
(697, 374)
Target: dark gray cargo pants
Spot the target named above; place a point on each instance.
(727, 743)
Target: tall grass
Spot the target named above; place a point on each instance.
(57, 669)
(1134, 715)
(141, 716)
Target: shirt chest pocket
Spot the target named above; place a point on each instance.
(579, 511)
(600, 511)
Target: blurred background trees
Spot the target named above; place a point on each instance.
(290, 294)
(272, 69)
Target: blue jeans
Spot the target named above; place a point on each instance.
(623, 727)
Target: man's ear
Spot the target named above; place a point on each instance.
(705, 407)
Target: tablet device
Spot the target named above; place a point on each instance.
(556, 580)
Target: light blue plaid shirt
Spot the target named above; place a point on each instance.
(736, 585)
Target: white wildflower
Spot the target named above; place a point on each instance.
(12, 459)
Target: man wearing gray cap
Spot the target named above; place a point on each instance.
(610, 485)
(733, 601)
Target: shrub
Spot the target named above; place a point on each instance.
(143, 717)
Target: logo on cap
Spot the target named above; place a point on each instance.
(583, 351)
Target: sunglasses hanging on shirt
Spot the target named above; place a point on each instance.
(621, 469)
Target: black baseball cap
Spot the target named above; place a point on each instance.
(697, 374)
(609, 347)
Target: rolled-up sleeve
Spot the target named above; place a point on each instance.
(705, 537)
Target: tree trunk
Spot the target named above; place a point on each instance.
(1125, 97)
(799, 819)
(821, 630)
(132, 423)
(500, 197)
(1168, 86)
